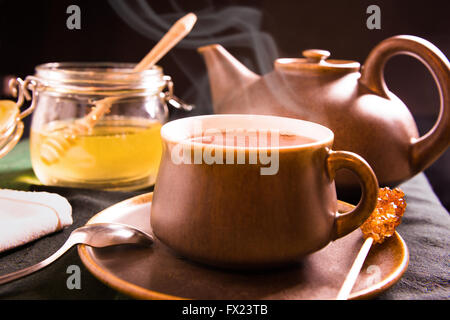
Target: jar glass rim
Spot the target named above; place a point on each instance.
(92, 74)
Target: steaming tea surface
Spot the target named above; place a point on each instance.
(251, 138)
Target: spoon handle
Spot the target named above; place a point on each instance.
(29, 270)
(176, 33)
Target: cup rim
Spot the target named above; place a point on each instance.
(170, 130)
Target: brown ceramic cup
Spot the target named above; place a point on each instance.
(236, 215)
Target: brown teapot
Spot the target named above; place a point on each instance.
(354, 102)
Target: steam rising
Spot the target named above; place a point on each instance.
(232, 26)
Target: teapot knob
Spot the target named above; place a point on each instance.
(316, 55)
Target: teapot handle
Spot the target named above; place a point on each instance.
(426, 149)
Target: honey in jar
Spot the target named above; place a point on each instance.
(117, 152)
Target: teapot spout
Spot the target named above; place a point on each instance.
(226, 74)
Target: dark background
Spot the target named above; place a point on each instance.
(35, 32)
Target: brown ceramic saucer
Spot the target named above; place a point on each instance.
(159, 273)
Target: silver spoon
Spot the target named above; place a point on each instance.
(95, 235)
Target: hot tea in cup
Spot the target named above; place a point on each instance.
(246, 191)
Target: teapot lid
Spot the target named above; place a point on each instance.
(316, 60)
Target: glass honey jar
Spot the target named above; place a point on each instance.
(119, 151)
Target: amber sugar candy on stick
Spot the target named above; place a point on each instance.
(379, 226)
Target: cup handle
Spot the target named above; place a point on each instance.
(349, 221)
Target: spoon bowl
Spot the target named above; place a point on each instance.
(101, 235)
(97, 235)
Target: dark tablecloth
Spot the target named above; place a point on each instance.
(425, 228)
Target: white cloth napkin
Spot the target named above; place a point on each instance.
(27, 216)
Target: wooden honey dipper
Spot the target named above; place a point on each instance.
(379, 226)
(54, 147)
